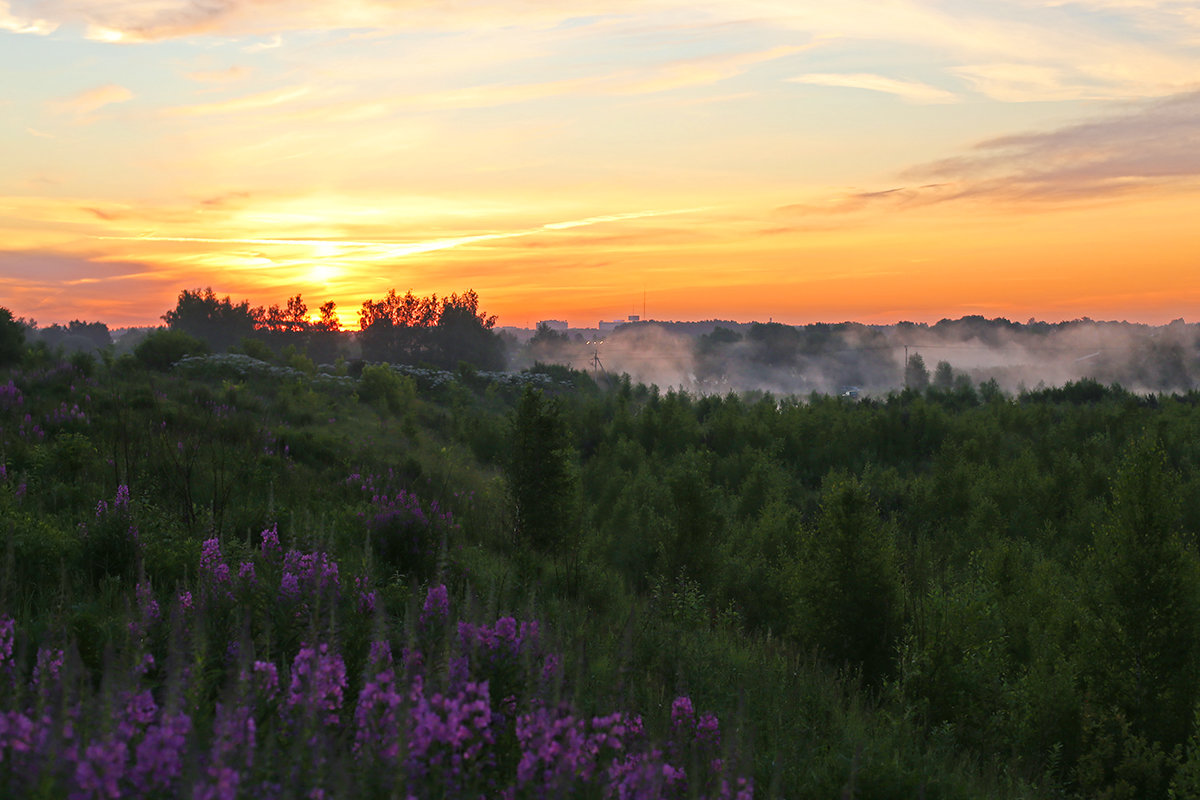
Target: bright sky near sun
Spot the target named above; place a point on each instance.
(803, 160)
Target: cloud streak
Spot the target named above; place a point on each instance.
(1155, 143)
(1149, 146)
(91, 100)
(380, 250)
(911, 91)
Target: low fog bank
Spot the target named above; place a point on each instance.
(718, 357)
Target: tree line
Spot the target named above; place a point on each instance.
(406, 329)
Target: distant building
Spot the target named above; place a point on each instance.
(609, 327)
(634, 318)
(559, 325)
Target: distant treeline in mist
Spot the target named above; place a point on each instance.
(852, 358)
(707, 357)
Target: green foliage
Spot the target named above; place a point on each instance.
(255, 348)
(162, 348)
(542, 476)
(382, 387)
(848, 582)
(1146, 601)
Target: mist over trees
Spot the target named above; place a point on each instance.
(848, 357)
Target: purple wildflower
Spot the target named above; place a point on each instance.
(318, 683)
(8, 629)
(159, 756)
(98, 773)
(270, 542)
(48, 667)
(437, 606)
(212, 563)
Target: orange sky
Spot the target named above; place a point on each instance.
(801, 161)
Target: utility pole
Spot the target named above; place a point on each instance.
(596, 365)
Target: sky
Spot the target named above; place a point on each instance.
(794, 160)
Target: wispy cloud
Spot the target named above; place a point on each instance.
(1150, 145)
(911, 91)
(230, 75)
(381, 249)
(258, 47)
(246, 103)
(11, 22)
(1024, 83)
(1156, 142)
(91, 100)
(662, 77)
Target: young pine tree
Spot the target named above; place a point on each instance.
(848, 601)
(543, 479)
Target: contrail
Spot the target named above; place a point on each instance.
(398, 249)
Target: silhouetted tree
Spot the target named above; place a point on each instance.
(413, 329)
(395, 328)
(12, 338)
(217, 321)
(916, 375)
(464, 333)
(943, 376)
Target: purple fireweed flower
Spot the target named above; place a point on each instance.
(98, 773)
(8, 631)
(122, 499)
(212, 563)
(708, 730)
(555, 750)
(683, 715)
(449, 736)
(289, 586)
(48, 666)
(265, 679)
(185, 601)
(246, 573)
(159, 755)
(437, 606)
(223, 786)
(376, 717)
(367, 602)
(318, 683)
(270, 542)
(316, 573)
(636, 777)
(147, 605)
